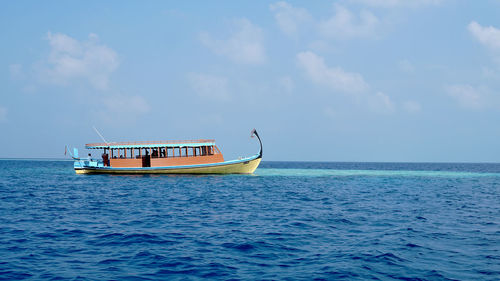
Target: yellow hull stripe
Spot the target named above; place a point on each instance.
(236, 168)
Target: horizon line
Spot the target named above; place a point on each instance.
(311, 161)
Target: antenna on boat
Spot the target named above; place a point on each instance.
(107, 143)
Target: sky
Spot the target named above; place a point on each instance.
(349, 80)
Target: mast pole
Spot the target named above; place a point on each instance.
(100, 135)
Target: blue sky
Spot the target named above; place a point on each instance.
(353, 80)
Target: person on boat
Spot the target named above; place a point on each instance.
(89, 158)
(105, 159)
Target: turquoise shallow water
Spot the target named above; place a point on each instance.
(291, 220)
(374, 173)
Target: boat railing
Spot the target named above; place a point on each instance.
(217, 151)
(150, 142)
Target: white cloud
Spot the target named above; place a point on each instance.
(3, 114)
(406, 66)
(116, 109)
(490, 73)
(330, 112)
(245, 45)
(16, 71)
(398, 3)
(380, 103)
(344, 24)
(120, 109)
(321, 46)
(71, 60)
(290, 19)
(126, 104)
(336, 79)
(209, 86)
(467, 96)
(286, 84)
(412, 106)
(333, 77)
(488, 36)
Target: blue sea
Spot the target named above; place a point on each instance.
(288, 221)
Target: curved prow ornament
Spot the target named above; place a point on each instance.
(254, 133)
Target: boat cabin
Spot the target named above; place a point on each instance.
(158, 154)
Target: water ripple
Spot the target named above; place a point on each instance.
(291, 221)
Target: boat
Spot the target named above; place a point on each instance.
(164, 157)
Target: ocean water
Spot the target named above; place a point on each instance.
(289, 221)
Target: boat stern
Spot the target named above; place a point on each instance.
(86, 166)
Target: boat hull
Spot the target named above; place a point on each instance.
(244, 166)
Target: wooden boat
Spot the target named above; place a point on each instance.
(164, 157)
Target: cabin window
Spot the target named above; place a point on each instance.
(154, 153)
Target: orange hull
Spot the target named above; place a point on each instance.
(163, 162)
